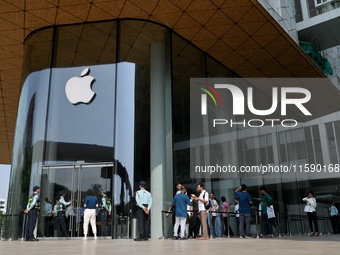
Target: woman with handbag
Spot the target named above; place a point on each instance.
(310, 209)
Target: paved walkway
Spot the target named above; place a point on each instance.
(297, 245)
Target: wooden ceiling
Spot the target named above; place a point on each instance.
(239, 34)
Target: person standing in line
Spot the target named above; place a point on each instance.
(334, 215)
(267, 201)
(181, 201)
(56, 224)
(310, 209)
(144, 204)
(237, 215)
(203, 199)
(105, 209)
(48, 218)
(61, 214)
(172, 208)
(245, 203)
(32, 209)
(194, 221)
(90, 204)
(213, 209)
(225, 215)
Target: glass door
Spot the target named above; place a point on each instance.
(74, 181)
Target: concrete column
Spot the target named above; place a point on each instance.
(160, 134)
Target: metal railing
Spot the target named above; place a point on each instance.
(12, 226)
(284, 224)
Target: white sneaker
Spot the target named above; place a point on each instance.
(95, 238)
(85, 238)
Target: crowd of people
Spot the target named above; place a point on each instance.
(200, 209)
(57, 217)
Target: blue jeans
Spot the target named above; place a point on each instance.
(245, 218)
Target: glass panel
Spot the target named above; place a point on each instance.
(55, 180)
(331, 143)
(88, 44)
(309, 145)
(77, 132)
(132, 146)
(74, 181)
(28, 145)
(38, 51)
(99, 179)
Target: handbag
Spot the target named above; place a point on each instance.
(207, 205)
(271, 212)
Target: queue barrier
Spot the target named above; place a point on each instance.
(231, 214)
(283, 223)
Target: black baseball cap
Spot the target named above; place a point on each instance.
(35, 188)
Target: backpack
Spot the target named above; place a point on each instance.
(207, 206)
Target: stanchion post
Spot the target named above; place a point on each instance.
(228, 224)
(257, 223)
(289, 226)
(23, 227)
(278, 224)
(162, 215)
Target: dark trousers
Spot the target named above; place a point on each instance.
(103, 222)
(245, 220)
(311, 216)
(212, 222)
(48, 221)
(238, 225)
(32, 217)
(335, 224)
(194, 225)
(226, 225)
(62, 223)
(267, 224)
(143, 223)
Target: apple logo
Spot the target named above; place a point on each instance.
(78, 89)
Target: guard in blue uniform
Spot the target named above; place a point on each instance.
(32, 210)
(104, 210)
(144, 204)
(61, 214)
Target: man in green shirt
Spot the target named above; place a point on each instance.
(267, 201)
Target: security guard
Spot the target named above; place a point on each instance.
(32, 210)
(104, 210)
(61, 214)
(144, 204)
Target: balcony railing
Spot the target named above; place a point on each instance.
(315, 11)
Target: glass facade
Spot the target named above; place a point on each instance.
(106, 144)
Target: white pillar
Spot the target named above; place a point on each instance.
(304, 9)
(160, 134)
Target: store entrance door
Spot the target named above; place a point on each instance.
(74, 180)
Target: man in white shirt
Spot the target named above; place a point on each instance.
(202, 200)
(48, 218)
(213, 209)
(237, 215)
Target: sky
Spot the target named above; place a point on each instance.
(4, 180)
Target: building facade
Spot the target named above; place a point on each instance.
(106, 104)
